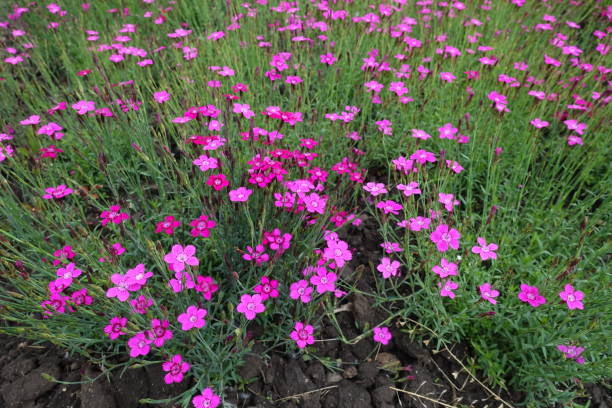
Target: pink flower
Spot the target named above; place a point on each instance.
(574, 140)
(206, 286)
(167, 226)
(419, 223)
(445, 269)
(539, 123)
(573, 352)
(113, 215)
(82, 107)
(267, 288)
(423, 156)
(160, 332)
(277, 241)
(324, 280)
(258, 254)
(488, 293)
(447, 287)
(485, 251)
(179, 256)
(389, 206)
(217, 181)
(572, 297)
(447, 76)
(175, 369)
(454, 166)
(244, 109)
(420, 134)
(410, 188)
(140, 345)
(531, 295)
(338, 252)
(62, 255)
(448, 131)
(241, 194)
(375, 189)
(115, 327)
(193, 317)
(161, 96)
(250, 305)
(303, 334)
(57, 192)
(448, 200)
(120, 291)
(80, 297)
(314, 203)
(32, 120)
(141, 304)
(301, 290)
(388, 268)
(69, 272)
(328, 59)
(206, 163)
(382, 335)
(202, 226)
(574, 125)
(444, 237)
(208, 399)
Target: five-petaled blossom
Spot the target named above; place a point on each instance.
(303, 334)
(486, 251)
(179, 257)
(193, 317)
(208, 399)
(382, 335)
(445, 237)
(175, 369)
(488, 293)
(531, 295)
(250, 306)
(572, 297)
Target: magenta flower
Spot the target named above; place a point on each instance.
(409, 189)
(448, 131)
(447, 287)
(258, 254)
(82, 107)
(574, 140)
(137, 277)
(314, 203)
(202, 226)
(160, 332)
(80, 297)
(388, 268)
(338, 252)
(573, 352)
(141, 304)
(167, 226)
(572, 297)
(448, 200)
(206, 286)
(57, 192)
(328, 59)
(250, 305)
(120, 291)
(420, 134)
(206, 163)
(375, 188)
(69, 272)
(389, 206)
(423, 156)
(241, 194)
(488, 293)
(277, 241)
(382, 335)
(217, 181)
(419, 223)
(113, 215)
(485, 251)
(324, 280)
(140, 345)
(531, 295)
(208, 399)
(302, 334)
(193, 317)
(179, 257)
(175, 369)
(161, 96)
(267, 288)
(301, 290)
(444, 237)
(115, 327)
(445, 269)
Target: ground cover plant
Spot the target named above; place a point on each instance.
(176, 173)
